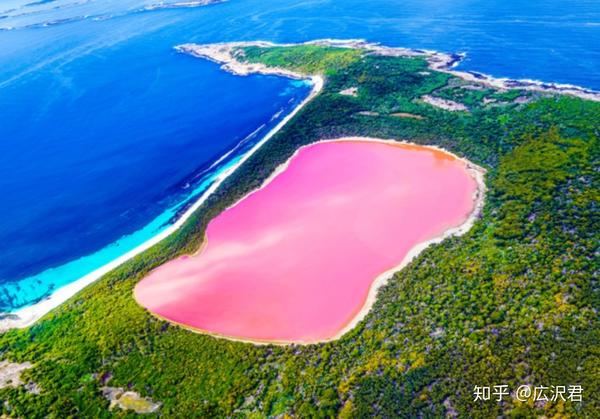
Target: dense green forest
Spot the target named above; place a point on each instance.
(514, 301)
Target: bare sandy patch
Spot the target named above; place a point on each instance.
(10, 373)
(351, 91)
(407, 115)
(129, 400)
(445, 104)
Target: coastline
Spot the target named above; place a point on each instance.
(475, 171)
(222, 53)
(29, 315)
(438, 61)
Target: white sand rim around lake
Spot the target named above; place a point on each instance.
(475, 171)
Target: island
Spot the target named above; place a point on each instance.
(508, 298)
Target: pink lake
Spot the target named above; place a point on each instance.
(294, 261)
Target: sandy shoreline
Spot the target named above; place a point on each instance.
(475, 171)
(29, 315)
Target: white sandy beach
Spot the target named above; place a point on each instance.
(29, 315)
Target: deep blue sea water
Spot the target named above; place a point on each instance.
(105, 131)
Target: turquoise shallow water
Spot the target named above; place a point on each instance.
(105, 131)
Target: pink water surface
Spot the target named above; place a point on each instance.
(293, 261)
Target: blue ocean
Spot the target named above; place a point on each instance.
(107, 133)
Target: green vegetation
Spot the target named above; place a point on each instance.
(306, 59)
(515, 301)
